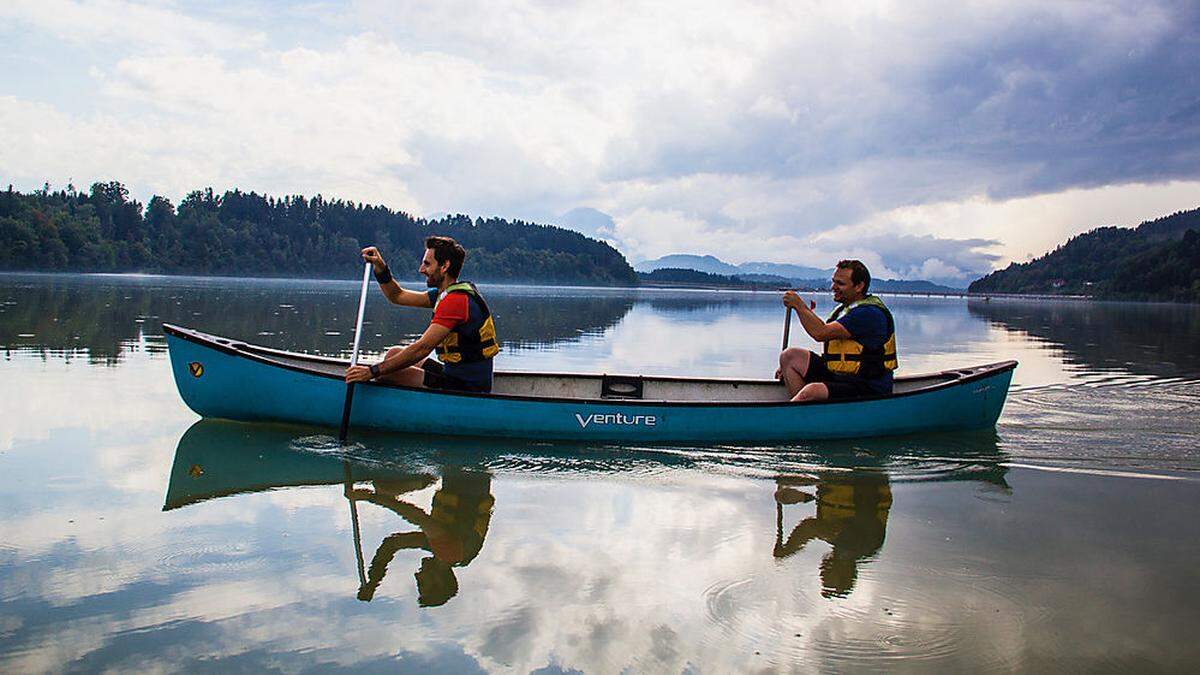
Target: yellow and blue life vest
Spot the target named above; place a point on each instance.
(850, 357)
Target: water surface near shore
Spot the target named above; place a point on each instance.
(133, 536)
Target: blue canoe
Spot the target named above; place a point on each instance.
(223, 378)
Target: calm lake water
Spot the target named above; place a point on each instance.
(135, 537)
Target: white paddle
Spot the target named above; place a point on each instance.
(362, 307)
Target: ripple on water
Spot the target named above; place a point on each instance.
(914, 620)
(737, 607)
(323, 443)
(1148, 425)
(207, 559)
(628, 466)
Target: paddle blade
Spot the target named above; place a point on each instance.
(346, 413)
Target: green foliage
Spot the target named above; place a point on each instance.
(1155, 261)
(247, 234)
(678, 276)
(1169, 272)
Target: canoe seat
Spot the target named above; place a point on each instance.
(621, 386)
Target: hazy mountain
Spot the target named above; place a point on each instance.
(714, 265)
(877, 285)
(784, 270)
(700, 263)
(589, 222)
(779, 274)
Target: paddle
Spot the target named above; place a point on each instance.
(362, 306)
(354, 528)
(787, 324)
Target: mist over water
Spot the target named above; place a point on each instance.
(133, 536)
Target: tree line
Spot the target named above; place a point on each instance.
(682, 276)
(248, 234)
(1157, 260)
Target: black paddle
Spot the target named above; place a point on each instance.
(362, 306)
(787, 325)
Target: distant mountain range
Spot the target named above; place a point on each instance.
(769, 274)
(1157, 260)
(713, 265)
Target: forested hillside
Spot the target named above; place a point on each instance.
(678, 276)
(1157, 260)
(239, 233)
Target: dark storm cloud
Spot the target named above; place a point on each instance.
(1037, 100)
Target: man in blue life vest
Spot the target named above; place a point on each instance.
(461, 329)
(859, 339)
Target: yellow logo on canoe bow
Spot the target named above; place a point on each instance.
(196, 368)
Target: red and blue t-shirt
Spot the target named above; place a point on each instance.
(453, 310)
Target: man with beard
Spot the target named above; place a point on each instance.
(859, 340)
(461, 330)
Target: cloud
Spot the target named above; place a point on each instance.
(1033, 98)
(716, 130)
(1029, 226)
(952, 261)
(136, 25)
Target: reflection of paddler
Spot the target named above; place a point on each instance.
(852, 513)
(453, 531)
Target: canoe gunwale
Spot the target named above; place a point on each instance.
(260, 354)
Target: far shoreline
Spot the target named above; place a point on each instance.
(657, 288)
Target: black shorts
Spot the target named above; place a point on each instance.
(840, 386)
(436, 378)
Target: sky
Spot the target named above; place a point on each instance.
(935, 140)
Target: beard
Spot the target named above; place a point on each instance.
(432, 282)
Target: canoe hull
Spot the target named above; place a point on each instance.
(219, 382)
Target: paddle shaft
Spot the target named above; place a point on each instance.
(787, 328)
(358, 554)
(362, 308)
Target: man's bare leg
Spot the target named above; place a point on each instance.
(813, 391)
(793, 366)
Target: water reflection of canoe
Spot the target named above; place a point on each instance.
(217, 459)
(224, 378)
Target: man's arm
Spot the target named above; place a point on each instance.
(402, 296)
(410, 355)
(814, 325)
(417, 351)
(392, 290)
